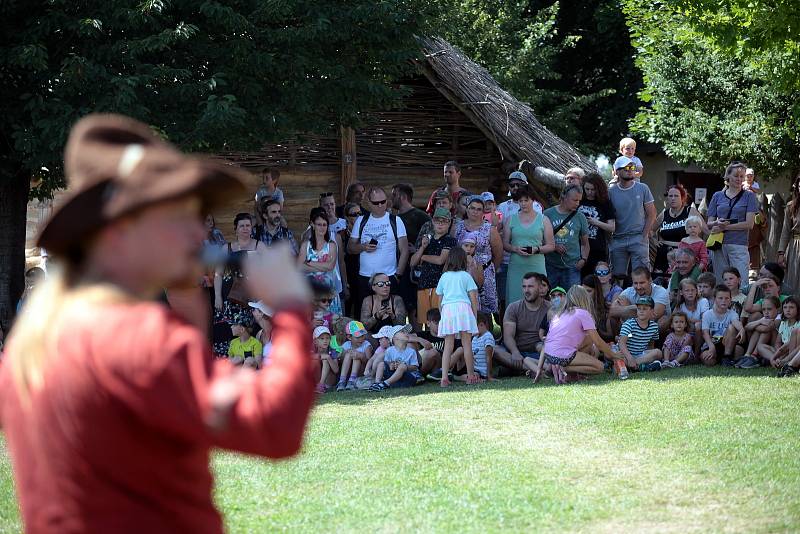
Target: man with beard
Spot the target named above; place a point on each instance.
(636, 212)
(521, 324)
(273, 229)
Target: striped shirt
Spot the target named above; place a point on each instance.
(638, 338)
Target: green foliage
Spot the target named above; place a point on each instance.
(706, 102)
(210, 75)
(567, 59)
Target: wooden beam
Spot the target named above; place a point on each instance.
(349, 167)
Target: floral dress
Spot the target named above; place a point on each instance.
(221, 334)
(487, 301)
(328, 278)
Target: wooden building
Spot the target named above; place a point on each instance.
(455, 110)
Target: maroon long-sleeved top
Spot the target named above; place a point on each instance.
(116, 440)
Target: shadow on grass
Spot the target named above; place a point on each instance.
(522, 382)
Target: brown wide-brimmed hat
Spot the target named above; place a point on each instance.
(115, 166)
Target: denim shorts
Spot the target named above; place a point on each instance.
(563, 362)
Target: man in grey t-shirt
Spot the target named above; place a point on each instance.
(521, 324)
(636, 213)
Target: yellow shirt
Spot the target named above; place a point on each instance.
(237, 348)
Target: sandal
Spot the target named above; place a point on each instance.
(379, 386)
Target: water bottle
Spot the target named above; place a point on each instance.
(619, 365)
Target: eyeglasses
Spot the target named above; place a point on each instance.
(356, 214)
(382, 283)
(601, 272)
(378, 202)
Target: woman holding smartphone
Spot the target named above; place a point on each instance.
(527, 236)
(382, 308)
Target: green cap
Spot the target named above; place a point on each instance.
(558, 288)
(442, 213)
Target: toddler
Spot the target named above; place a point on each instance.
(401, 360)
(627, 149)
(269, 186)
(637, 338)
(763, 332)
(678, 349)
(328, 358)
(355, 350)
(695, 241)
(384, 338)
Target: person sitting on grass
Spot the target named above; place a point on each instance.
(328, 358)
(685, 267)
(638, 336)
(244, 349)
(678, 348)
(384, 339)
(722, 329)
(572, 334)
(790, 365)
(431, 346)
(785, 342)
(624, 306)
(401, 360)
(262, 315)
(482, 349)
(705, 286)
(763, 332)
(355, 350)
(770, 285)
(733, 279)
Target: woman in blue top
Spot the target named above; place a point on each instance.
(732, 211)
(527, 236)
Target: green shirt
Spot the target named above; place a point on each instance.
(237, 349)
(675, 279)
(569, 236)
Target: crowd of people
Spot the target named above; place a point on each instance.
(471, 290)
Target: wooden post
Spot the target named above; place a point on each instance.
(349, 174)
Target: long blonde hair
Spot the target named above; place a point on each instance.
(577, 297)
(36, 332)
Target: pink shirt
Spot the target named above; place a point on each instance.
(567, 332)
(700, 252)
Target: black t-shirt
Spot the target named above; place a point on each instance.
(413, 220)
(437, 342)
(430, 272)
(674, 228)
(602, 211)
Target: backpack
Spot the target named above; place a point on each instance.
(392, 223)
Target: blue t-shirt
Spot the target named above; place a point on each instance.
(479, 344)
(720, 206)
(454, 286)
(717, 324)
(407, 356)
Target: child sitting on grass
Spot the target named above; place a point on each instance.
(401, 360)
(705, 286)
(482, 350)
(328, 358)
(637, 338)
(384, 338)
(722, 329)
(355, 350)
(783, 344)
(244, 349)
(763, 332)
(678, 346)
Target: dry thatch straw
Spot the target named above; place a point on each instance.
(509, 123)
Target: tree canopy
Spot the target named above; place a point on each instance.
(709, 97)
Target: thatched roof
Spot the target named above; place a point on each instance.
(509, 123)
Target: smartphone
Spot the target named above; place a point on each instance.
(528, 249)
(373, 241)
(248, 354)
(385, 303)
(732, 221)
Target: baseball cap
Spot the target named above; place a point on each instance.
(645, 300)
(263, 308)
(517, 175)
(487, 196)
(318, 331)
(623, 161)
(442, 213)
(243, 318)
(558, 289)
(356, 328)
(385, 331)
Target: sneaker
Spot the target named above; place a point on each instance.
(435, 375)
(351, 384)
(669, 365)
(341, 386)
(787, 371)
(653, 366)
(748, 362)
(727, 362)
(379, 386)
(364, 382)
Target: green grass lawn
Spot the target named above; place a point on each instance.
(680, 450)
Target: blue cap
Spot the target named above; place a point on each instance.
(623, 161)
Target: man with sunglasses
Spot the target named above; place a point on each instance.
(636, 212)
(380, 240)
(507, 209)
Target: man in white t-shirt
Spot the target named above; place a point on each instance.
(380, 240)
(507, 209)
(624, 306)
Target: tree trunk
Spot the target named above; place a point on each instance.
(14, 188)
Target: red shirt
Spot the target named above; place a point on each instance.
(115, 439)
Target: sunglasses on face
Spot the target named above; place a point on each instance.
(378, 202)
(601, 272)
(382, 284)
